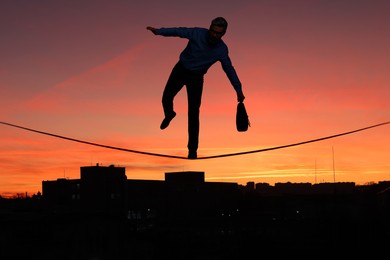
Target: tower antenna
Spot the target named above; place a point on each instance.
(334, 172)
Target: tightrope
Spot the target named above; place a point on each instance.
(199, 158)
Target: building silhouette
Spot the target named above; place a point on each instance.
(106, 189)
(104, 215)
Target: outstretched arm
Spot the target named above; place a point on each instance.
(152, 29)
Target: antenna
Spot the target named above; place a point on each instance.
(334, 174)
(315, 172)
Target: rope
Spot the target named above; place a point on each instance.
(94, 144)
(295, 144)
(205, 157)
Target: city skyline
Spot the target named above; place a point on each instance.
(104, 215)
(91, 71)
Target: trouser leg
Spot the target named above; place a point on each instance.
(174, 84)
(194, 96)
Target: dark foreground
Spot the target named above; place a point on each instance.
(304, 227)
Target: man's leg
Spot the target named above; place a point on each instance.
(194, 96)
(174, 84)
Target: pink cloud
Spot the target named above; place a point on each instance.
(100, 82)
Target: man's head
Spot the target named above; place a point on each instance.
(217, 29)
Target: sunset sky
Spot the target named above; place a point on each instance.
(89, 70)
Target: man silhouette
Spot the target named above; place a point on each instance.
(205, 47)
